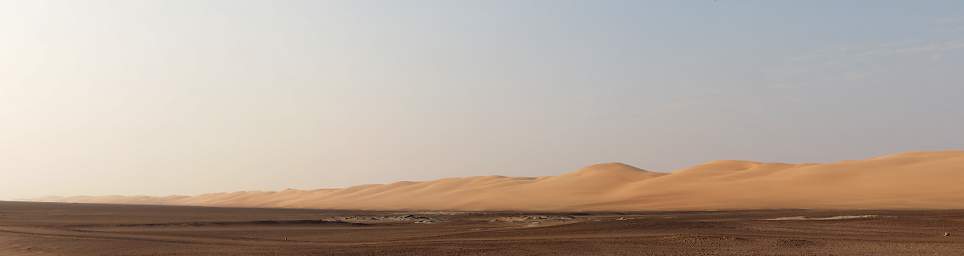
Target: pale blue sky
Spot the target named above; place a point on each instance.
(186, 97)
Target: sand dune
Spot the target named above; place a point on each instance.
(908, 180)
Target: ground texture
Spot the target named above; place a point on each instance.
(90, 229)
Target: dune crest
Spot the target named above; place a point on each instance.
(900, 181)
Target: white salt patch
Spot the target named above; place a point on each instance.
(845, 217)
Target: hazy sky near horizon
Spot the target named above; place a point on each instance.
(187, 97)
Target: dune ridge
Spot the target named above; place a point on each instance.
(915, 180)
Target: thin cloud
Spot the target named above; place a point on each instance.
(923, 48)
(930, 48)
(853, 64)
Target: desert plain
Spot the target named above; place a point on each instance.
(901, 204)
(101, 229)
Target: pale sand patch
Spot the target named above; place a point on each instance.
(844, 217)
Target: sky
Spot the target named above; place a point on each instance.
(189, 96)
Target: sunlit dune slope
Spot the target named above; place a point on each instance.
(908, 180)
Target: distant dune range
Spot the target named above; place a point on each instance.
(926, 180)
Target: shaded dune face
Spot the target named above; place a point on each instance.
(901, 181)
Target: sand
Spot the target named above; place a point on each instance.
(917, 180)
(40, 229)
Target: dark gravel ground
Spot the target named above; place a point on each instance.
(91, 229)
